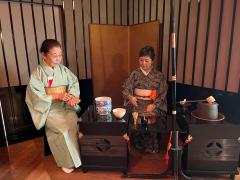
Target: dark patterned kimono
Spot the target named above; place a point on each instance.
(146, 138)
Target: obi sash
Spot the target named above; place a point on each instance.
(55, 90)
(59, 90)
(145, 94)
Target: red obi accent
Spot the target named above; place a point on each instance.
(50, 83)
(50, 80)
(153, 95)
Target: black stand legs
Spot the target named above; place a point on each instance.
(174, 169)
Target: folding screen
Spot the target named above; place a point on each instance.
(140, 36)
(114, 54)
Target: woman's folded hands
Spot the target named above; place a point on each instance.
(66, 97)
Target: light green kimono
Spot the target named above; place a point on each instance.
(59, 119)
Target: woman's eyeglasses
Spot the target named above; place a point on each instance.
(55, 55)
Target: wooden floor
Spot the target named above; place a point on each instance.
(26, 161)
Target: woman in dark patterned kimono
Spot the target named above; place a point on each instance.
(52, 96)
(145, 93)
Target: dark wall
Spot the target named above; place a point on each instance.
(86, 94)
(2, 136)
(18, 122)
(228, 102)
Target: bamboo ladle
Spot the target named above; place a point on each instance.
(210, 100)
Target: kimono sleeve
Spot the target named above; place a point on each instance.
(73, 85)
(161, 100)
(128, 88)
(37, 101)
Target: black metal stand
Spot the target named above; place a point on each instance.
(174, 169)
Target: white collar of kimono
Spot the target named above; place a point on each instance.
(145, 72)
(47, 68)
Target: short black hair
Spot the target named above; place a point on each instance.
(147, 51)
(49, 44)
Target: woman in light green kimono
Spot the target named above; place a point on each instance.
(52, 96)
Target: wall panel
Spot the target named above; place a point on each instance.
(141, 11)
(160, 9)
(3, 77)
(81, 56)
(182, 40)
(131, 12)
(136, 11)
(8, 44)
(19, 42)
(71, 49)
(39, 23)
(204, 39)
(111, 11)
(87, 21)
(59, 28)
(30, 37)
(153, 11)
(191, 41)
(166, 39)
(201, 43)
(234, 71)
(103, 13)
(212, 44)
(224, 45)
(49, 22)
(117, 12)
(124, 15)
(95, 12)
(147, 7)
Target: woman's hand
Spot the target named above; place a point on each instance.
(150, 107)
(62, 97)
(133, 100)
(73, 101)
(65, 97)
